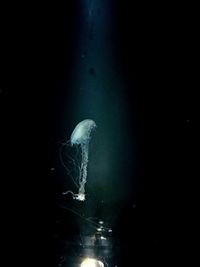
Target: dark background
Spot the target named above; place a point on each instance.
(156, 48)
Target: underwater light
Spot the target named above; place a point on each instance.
(88, 262)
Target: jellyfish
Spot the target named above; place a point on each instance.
(81, 136)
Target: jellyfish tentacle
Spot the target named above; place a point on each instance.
(81, 136)
(64, 165)
(84, 169)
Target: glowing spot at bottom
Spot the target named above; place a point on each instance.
(91, 263)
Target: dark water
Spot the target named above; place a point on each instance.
(143, 186)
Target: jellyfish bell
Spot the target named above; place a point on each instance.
(81, 133)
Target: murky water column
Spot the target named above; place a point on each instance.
(97, 93)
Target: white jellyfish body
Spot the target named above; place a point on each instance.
(82, 132)
(81, 137)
